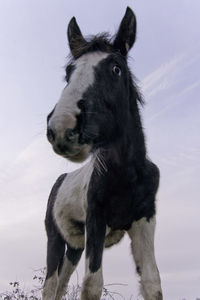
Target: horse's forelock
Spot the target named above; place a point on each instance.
(100, 42)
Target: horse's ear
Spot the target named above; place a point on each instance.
(126, 34)
(75, 36)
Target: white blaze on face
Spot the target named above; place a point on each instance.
(64, 115)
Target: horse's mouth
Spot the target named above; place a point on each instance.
(76, 153)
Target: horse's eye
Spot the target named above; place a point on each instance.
(116, 70)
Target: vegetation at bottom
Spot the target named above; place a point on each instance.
(18, 292)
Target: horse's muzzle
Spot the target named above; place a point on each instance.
(68, 145)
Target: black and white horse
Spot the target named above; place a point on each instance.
(114, 192)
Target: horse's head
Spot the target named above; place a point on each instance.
(93, 106)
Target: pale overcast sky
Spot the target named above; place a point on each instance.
(166, 60)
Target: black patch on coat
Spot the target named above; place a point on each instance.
(124, 197)
(73, 254)
(96, 229)
(55, 243)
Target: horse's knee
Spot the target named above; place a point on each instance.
(151, 290)
(71, 260)
(92, 286)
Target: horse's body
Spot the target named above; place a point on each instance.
(114, 192)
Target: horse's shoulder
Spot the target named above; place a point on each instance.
(53, 194)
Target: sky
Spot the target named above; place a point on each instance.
(166, 61)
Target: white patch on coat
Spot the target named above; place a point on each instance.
(50, 287)
(142, 236)
(64, 276)
(66, 110)
(71, 204)
(92, 284)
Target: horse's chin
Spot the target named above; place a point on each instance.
(81, 156)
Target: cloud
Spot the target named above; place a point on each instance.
(170, 76)
(156, 81)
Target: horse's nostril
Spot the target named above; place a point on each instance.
(61, 147)
(50, 135)
(70, 135)
(81, 104)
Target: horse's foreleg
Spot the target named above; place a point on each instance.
(95, 236)
(55, 253)
(71, 260)
(142, 243)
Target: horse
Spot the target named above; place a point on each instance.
(97, 121)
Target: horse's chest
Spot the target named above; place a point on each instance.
(71, 201)
(120, 210)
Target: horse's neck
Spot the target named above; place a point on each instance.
(128, 152)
